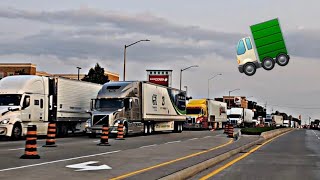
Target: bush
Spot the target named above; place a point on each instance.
(256, 130)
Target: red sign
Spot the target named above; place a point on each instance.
(159, 79)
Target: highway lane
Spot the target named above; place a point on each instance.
(293, 156)
(123, 156)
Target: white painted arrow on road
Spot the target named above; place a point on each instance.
(85, 166)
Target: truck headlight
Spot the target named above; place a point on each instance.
(5, 121)
(88, 123)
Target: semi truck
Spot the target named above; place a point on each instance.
(205, 114)
(277, 120)
(241, 117)
(36, 100)
(142, 107)
(265, 49)
(268, 120)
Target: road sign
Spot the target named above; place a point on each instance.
(85, 166)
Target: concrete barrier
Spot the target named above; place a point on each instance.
(193, 170)
(270, 134)
(237, 134)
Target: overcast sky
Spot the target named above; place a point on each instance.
(60, 35)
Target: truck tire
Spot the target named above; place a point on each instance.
(176, 127)
(145, 129)
(150, 129)
(249, 69)
(268, 64)
(62, 130)
(180, 128)
(16, 132)
(282, 59)
(92, 135)
(125, 130)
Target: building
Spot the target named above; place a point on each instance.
(236, 101)
(9, 69)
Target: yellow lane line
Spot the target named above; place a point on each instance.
(170, 162)
(237, 159)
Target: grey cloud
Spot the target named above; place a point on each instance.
(85, 39)
(304, 43)
(145, 23)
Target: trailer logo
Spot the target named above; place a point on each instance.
(154, 99)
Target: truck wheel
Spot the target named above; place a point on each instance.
(249, 69)
(282, 59)
(145, 129)
(268, 64)
(92, 135)
(125, 130)
(150, 129)
(180, 128)
(62, 130)
(16, 132)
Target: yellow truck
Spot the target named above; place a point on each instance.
(205, 114)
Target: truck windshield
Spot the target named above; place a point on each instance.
(109, 103)
(234, 116)
(193, 110)
(241, 48)
(10, 99)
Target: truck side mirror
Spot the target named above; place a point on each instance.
(26, 102)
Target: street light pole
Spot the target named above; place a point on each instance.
(125, 54)
(209, 84)
(79, 73)
(183, 70)
(229, 95)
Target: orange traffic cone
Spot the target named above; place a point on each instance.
(104, 141)
(120, 132)
(31, 144)
(51, 136)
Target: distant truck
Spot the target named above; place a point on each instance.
(286, 123)
(270, 48)
(241, 117)
(277, 120)
(36, 100)
(141, 106)
(268, 120)
(205, 114)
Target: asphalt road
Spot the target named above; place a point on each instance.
(127, 156)
(292, 156)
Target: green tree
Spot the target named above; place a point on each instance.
(96, 75)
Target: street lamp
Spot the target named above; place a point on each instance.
(124, 56)
(183, 70)
(229, 95)
(209, 82)
(79, 73)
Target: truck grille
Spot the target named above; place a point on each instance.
(191, 120)
(100, 120)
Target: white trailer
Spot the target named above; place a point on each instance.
(247, 116)
(140, 106)
(277, 120)
(217, 113)
(241, 117)
(36, 100)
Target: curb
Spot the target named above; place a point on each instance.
(191, 171)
